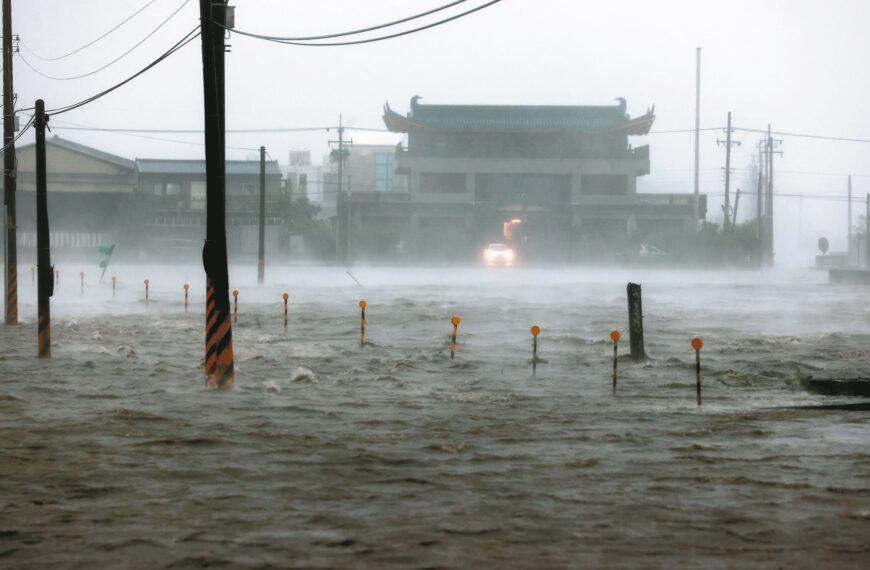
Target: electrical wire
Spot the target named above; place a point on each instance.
(78, 127)
(189, 37)
(114, 61)
(802, 135)
(92, 42)
(277, 39)
(351, 32)
(19, 135)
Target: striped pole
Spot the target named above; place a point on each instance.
(455, 321)
(186, 287)
(614, 336)
(146, 290)
(697, 344)
(286, 296)
(235, 305)
(362, 326)
(43, 245)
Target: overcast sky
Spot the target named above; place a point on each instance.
(800, 65)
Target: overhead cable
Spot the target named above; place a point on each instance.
(278, 39)
(92, 42)
(114, 61)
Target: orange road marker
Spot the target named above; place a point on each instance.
(235, 305)
(147, 282)
(697, 344)
(614, 336)
(455, 321)
(536, 330)
(186, 287)
(362, 326)
(285, 296)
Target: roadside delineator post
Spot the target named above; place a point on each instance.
(285, 296)
(186, 287)
(697, 344)
(147, 282)
(536, 330)
(82, 277)
(362, 323)
(235, 305)
(114, 280)
(455, 321)
(614, 336)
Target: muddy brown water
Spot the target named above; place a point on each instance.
(112, 455)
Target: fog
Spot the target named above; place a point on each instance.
(795, 65)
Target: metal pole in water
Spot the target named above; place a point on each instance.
(235, 305)
(286, 296)
(114, 280)
(147, 282)
(43, 244)
(186, 287)
(82, 277)
(536, 330)
(614, 336)
(455, 321)
(261, 257)
(697, 343)
(362, 325)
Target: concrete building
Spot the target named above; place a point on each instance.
(556, 180)
(91, 195)
(173, 195)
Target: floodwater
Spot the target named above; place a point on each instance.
(328, 455)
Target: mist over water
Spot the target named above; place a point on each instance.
(332, 455)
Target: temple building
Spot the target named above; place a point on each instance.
(555, 181)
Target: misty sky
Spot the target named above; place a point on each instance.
(797, 64)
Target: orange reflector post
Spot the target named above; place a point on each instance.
(285, 297)
(362, 325)
(614, 336)
(455, 321)
(697, 344)
(147, 282)
(235, 305)
(536, 330)
(186, 287)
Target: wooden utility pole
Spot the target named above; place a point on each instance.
(43, 245)
(726, 208)
(341, 201)
(261, 264)
(9, 172)
(219, 368)
(697, 207)
(849, 222)
(736, 204)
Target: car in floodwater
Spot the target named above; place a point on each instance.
(498, 254)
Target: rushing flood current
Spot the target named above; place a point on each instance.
(391, 456)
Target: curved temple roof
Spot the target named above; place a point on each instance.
(518, 118)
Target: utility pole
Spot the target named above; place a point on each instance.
(9, 172)
(45, 287)
(261, 265)
(697, 211)
(770, 145)
(726, 208)
(867, 231)
(736, 204)
(758, 213)
(849, 223)
(218, 328)
(341, 201)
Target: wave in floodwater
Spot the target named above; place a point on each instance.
(392, 455)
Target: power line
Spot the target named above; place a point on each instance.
(198, 131)
(351, 32)
(189, 37)
(114, 61)
(92, 42)
(277, 39)
(803, 135)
